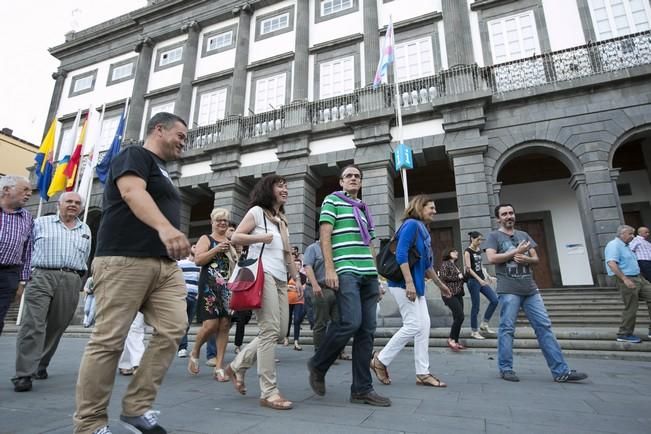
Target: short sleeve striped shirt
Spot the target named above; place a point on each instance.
(57, 246)
(349, 252)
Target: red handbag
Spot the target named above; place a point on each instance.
(247, 282)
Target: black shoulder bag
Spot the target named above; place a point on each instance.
(386, 262)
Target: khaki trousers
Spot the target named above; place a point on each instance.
(631, 297)
(273, 320)
(123, 286)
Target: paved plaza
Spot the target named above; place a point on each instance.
(615, 399)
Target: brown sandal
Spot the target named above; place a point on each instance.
(429, 380)
(381, 371)
(237, 379)
(279, 403)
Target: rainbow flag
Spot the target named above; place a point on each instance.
(386, 59)
(44, 162)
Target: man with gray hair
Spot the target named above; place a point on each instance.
(15, 240)
(621, 263)
(641, 246)
(61, 250)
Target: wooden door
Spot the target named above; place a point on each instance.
(442, 239)
(542, 272)
(633, 218)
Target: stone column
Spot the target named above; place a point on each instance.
(233, 195)
(145, 49)
(60, 78)
(187, 201)
(458, 42)
(241, 60)
(601, 213)
(371, 41)
(472, 189)
(301, 54)
(184, 95)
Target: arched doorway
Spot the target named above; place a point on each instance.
(537, 183)
(633, 159)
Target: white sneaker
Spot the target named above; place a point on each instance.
(182, 354)
(211, 362)
(476, 335)
(485, 328)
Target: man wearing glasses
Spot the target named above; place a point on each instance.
(513, 253)
(346, 231)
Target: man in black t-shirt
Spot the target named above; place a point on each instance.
(135, 270)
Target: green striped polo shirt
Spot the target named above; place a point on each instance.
(349, 252)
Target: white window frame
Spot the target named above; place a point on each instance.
(220, 41)
(83, 83)
(109, 127)
(210, 111)
(337, 77)
(334, 6)
(273, 24)
(122, 71)
(613, 31)
(170, 56)
(262, 89)
(162, 107)
(509, 54)
(424, 65)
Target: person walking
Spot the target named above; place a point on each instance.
(191, 276)
(134, 270)
(477, 285)
(641, 246)
(410, 294)
(61, 249)
(134, 347)
(217, 258)
(346, 231)
(514, 252)
(16, 225)
(265, 223)
(450, 274)
(296, 300)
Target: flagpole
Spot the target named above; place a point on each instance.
(93, 162)
(403, 171)
(88, 119)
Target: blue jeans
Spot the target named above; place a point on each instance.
(534, 308)
(476, 289)
(357, 299)
(211, 346)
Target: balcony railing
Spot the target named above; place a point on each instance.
(574, 63)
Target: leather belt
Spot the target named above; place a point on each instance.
(66, 269)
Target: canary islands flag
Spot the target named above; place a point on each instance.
(44, 162)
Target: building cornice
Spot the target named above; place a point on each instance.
(270, 61)
(336, 43)
(410, 23)
(212, 77)
(486, 4)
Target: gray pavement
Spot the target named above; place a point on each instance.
(615, 399)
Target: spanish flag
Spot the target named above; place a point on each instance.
(73, 165)
(60, 180)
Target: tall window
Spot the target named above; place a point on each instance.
(513, 37)
(221, 40)
(171, 56)
(212, 106)
(274, 23)
(614, 18)
(414, 59)
(109, 127)
(337, 77)
(270, 92)
(329, 7)
(164, 107)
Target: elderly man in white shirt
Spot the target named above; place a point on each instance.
(642, 249)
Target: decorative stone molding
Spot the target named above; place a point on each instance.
(146, 41)
(576, 180)
(60, 73)
(192, 25)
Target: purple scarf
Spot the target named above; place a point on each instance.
(365, 228)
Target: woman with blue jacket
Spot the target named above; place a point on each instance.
(410, 294)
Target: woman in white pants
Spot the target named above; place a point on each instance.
(410, 294)
(134, 346)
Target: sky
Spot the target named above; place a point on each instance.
(29, 28)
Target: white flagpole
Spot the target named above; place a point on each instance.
(93, 161)
(403, 172)
(83, 146)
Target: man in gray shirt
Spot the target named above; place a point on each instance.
(513, 253)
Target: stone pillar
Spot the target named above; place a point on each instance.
(458, 42)
(472, 190)
(184, 95)
(60, 78)
(233, 195)
(601, 213)
(301, 54)
(241, 60)
(145, 49)
(371, 41)
(187, 201)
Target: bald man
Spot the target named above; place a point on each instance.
(642, 249)
(61, 250)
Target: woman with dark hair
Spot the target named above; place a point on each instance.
(453, 278)
(410, 294)
(477, 285)
(265, 223)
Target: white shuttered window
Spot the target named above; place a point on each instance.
(270, 92)
(414, 59)
(613, 18)
(337, 77)
(212, 106)
(513, 37)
